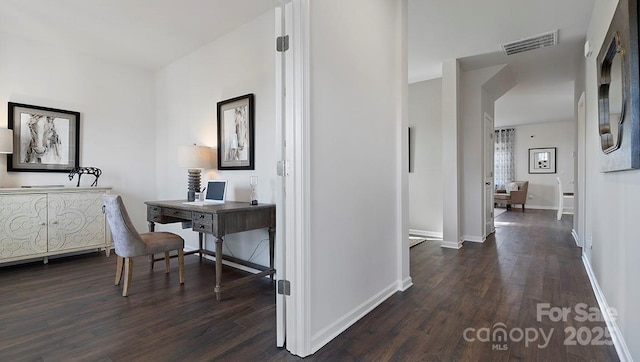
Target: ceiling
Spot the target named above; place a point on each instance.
(147, 33)
(153, 33)
(472, 31)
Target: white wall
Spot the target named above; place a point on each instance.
(116, 105)
(476, 101)
(612, 201)
(187, 92)
(425, 182)
(354, 161)
(543, 188)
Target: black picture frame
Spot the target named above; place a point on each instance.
(58, 132)
(236, 133)
(542, 160)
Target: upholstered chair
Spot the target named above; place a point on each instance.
(516, 195)
(129, 243)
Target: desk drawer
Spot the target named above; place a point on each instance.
(153, 214)
(203, 228)
(202, 218)
(180, 214)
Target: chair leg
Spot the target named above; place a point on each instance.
(522, 207)
(167, 262)
(119, 270)
(181, 265)
(128, 271)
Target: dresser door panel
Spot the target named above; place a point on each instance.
(23, 221)
(76, 221)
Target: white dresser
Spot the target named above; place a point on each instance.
(39, 222)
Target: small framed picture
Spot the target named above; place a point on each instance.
(542, 160)
(236, 147)
(44, 139)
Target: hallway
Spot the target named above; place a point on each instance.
(530, 260)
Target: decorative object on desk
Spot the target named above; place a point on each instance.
(44, 139)
(618, 93)
(236, 133)
(194, 158)
(542, 160)
(253, 182)
(83, 171)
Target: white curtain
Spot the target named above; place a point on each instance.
(504, 156)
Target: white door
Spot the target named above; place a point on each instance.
(489, 150)
(281, 154)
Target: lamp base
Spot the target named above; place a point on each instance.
(193, 184)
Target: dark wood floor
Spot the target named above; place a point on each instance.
(70, 310)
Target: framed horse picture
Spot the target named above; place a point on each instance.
(44, 139)
(236, 147)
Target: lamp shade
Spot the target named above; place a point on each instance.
(195, 156)
(6, 140)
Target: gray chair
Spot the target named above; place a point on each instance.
(129, 243)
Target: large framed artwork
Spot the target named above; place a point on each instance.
(542, 160)
(44, 139)
(619, 92)
(236, 147)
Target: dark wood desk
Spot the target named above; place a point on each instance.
(219, 220)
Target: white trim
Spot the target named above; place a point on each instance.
(340, 325)
(405, 284)
(555, 208)
(451, 244)
(614, 330)
(426, 233)
(474, 239)
(575, 237)
(298, 214)
(403, 269)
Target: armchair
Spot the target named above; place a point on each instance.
(518, 196)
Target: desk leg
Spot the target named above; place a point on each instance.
(152, 228)
(218, 267)
(201, 245)
(272, 239)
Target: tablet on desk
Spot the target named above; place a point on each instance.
(216, 193)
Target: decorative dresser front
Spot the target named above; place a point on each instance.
(40, 222)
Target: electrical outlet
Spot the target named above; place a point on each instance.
(530, 196)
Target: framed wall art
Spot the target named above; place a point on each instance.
(44, 139)
(618, 76)
(236, 134)
(542, 160)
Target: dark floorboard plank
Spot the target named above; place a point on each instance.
(69, 309)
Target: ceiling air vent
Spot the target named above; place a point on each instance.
(534, 42)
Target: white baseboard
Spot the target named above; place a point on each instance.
(330, 332)
(403, 285)
(474, 239)
(614, 330)
(451, 244)
(567, 210)
(426, 234)
(575, 237)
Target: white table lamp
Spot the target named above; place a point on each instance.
(6, 143)
(194, 158)
(6, 140)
